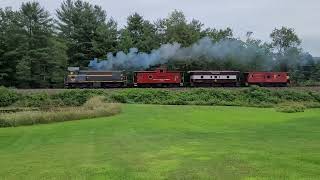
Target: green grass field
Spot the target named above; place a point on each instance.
(168, 142)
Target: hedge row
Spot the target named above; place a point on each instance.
(253, 96)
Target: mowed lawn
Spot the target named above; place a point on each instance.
(168, 142)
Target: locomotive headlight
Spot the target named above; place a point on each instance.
(288, 77)
(72, 78)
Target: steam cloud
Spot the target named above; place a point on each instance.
(204, 48)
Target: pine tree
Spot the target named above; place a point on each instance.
(138, 33)
(33, 68)
(86, 31)
(10, 38)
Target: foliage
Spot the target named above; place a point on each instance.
(31, 55)
(95, 107)
(45, 100)
(7, 97)
(284, 38)
(39, 100)
(76, 97)
(290, 107)
(138, 33)
(175, 28)
(36, 48)
(218, 34)
(253, 96)
(87, 32)
(10, 37)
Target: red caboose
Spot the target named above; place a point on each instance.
(267, 78)
(159, 78)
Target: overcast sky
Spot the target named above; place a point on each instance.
(258, 16)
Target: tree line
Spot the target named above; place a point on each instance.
(36, 47)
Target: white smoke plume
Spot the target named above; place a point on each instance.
(204, 48)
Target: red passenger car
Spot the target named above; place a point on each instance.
(267, 78)
(159, 78)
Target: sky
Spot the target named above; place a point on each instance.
(257, 16)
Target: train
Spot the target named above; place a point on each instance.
(164, 78)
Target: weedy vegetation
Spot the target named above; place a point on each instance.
(94, 107)
(249, 97)
(290, 107)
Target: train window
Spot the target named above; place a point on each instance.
(150, 77)
(228, 77)
(279, 75)
(215, 77)
(268, 77)
(211, 77)
(161, 70)
(201, 77)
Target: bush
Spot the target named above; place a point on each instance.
(7, 97)
(292, 95)
(290, 107)
(40, 100)
(310, 83)
(120, 98)
(94, 107)
(253, 96)
(315, 95)
(76, 97)
(256, 96)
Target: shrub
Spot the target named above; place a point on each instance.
(33, 100)
(40, 100)
(120, 98)
(76, 97)
(7, 96)
(290, 107)
(292, 95)
(256, 95)
(310, 83)
(253, 96)
(95, 107)
(315, 95)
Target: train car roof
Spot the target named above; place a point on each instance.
(210, 71)
(156, 71)
(97, 71)
(266, 72)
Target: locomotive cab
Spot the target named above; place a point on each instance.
(73, 73)
(77, 78)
